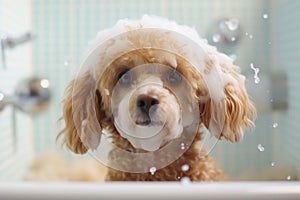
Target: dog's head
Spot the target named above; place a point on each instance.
(149, 87)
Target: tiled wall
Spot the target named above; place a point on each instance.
(287, 57)
(15, 150)
(64, 28)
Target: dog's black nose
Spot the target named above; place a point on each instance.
(145, 102)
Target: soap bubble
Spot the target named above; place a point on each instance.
(152, 170)
(216, 38)
(185, 180)
(67, 62)
(185, 167)
(275, 125)
(256, 71)
(260, 147)
(265, 16)
(182, 146)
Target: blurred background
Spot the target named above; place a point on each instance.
(261, 35)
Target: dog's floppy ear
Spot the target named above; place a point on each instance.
(81, 115)
(228, 116)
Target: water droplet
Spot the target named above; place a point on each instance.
(233, 39)
(288, 178)
(182, 146)
(178, 177)
(273, 164)
(271, 100)
(152, 170)
(256, 71)
(250, 36)
(265, 16)
(269, 43)
(67, 62)
(260, 147)
(232, 24)
(216, 38)
(246, 33)
(233, 57)
(275, 125)
(185, 167)
(185, 180)
(107, 92)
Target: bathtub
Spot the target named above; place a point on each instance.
(131, 190)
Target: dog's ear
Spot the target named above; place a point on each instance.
(230, 115)
(81, 113)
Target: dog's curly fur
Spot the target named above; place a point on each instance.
(238, 110)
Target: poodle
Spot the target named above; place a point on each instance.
(152, 88)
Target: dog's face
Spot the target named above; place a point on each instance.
(136, 95)
(149, 95)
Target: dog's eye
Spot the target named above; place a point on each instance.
(125, 78)
(174, 77)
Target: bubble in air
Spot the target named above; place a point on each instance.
(216, 38)
(232, 24)
(233, 57)
(251, 37)
(152, 170)
(67, 62)
(265, 16)
(233, 39)
(256, 71)
(275, 125)
(260, 147)
(273, 164)
(185, 167)
(182, 146)
(257, 80)
(185, 180)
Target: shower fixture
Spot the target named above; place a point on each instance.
(12, 42)
(271, 94)
(32, 96)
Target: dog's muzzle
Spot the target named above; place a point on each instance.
(152, 111)
(146, 104)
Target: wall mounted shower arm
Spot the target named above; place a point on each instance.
(11, 42)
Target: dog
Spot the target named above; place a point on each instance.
(155, 77)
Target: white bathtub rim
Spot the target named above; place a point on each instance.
(149, 190)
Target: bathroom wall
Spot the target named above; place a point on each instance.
(65, 28)
(15, 150)
(287, 57)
